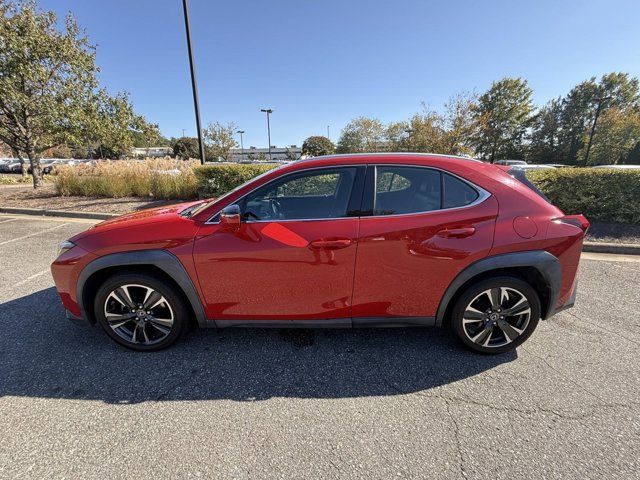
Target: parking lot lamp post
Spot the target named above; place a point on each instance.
(268, 111)
(409, 131)
(194, 86)
(241, 132)
(600, 101)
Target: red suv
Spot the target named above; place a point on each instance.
(373, 240)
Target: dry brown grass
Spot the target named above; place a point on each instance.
(158, 178)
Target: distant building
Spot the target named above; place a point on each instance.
(151, 151)
(278, 154)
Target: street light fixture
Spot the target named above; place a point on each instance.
(268, 111)
(600, 101)
(241, 132)
(194, 86)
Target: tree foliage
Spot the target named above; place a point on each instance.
(317, 145)
(186, 148)
(220, 139)
(49, 93)
(503, 114)
(362, 135)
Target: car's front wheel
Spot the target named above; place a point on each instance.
(140, 311)
(496, 315)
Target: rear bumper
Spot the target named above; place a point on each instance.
(570, 303)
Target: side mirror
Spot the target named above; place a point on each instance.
(230, 217)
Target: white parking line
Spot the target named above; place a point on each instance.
(35, 275)
(46, 218)
(32, 234)
(8, 220)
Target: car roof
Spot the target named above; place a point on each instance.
(381, 157)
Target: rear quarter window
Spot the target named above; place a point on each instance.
(457, 193)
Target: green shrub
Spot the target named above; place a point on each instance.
(216, 180)
(599, 194)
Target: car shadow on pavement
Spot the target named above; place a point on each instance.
(44, 355)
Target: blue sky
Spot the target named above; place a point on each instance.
(325, 62)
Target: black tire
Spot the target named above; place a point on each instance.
(149, 327)
(498, 328)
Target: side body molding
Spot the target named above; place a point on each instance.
(544, 262)
(161, 259)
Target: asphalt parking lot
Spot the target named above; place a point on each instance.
(314, 404)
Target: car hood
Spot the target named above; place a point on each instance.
(148, 217)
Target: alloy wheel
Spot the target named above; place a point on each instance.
(496, 317)
(139, 314)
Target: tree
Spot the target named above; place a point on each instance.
(616, 136)
(503, 114)
(459, 123)
(362, 135)
(317, 145)
(220, 139)
(614, 90)
(186, 148)
(544, 144)
(47, 77)
(397, 136)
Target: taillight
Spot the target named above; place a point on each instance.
(576, 220)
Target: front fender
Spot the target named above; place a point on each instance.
(161, 259)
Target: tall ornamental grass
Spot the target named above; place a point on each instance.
(162, 179)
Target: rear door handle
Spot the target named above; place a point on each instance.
(456, 232)
(332, 244)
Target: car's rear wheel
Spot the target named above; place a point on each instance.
(140, 311)
(496, 315)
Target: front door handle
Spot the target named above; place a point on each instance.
(456, 232)
(330, 244)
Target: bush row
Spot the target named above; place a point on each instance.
(599, 194)
(216, 180)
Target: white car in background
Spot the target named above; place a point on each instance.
(511, 163)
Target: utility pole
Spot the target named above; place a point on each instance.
(268, 111)
(600, 101)
(241, 132)
(194, 86)
(183, 130)
(409, 131)
(328, 133)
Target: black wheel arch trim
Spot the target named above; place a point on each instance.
(165, 261)
(547, 264)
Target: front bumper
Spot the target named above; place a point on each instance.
(76, 319)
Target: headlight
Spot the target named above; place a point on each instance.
(64, 246)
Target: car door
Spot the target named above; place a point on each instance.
(293, 255)
(424, 226)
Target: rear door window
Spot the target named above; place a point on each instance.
(406, 190)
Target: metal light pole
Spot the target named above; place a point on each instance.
(268, 111)
(241, 132)
(328, 133)
(600, 100)
(408, 131)
(193, 79)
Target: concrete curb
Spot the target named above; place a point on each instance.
(58, 213)
(617, 248)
